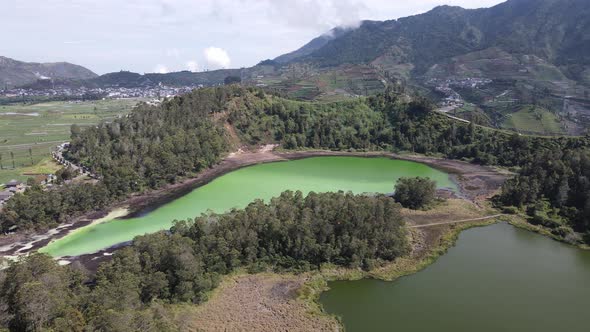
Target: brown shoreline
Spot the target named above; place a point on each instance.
(475, 182)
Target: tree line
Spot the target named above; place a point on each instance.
(554, 190)
(389, 121)
(291, 232)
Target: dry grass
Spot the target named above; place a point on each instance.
(449, 210)
(262, 302)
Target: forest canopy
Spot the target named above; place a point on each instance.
(291, 232)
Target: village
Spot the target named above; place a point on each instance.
(452, 97)
(47, 181)
(82, 93)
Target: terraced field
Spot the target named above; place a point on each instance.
(534, 120)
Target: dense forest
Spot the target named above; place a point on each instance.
(37, 208)
(554, 189)
(415, 193)
(154, 144)
(389, 121)
(291, 232)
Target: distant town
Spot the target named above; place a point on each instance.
(452, 97)
(153, 92)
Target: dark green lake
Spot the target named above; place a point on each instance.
(497, 278)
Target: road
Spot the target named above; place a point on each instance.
(445, 110)
(457, 221)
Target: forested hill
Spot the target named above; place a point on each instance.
(16, 73)
(182, 78)
(554, 30)
(157, 145)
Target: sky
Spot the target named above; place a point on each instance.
(173, 35)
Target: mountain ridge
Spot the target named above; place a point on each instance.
(14, 73)
(553, 30)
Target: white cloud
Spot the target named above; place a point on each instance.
(161, 69)
(216, 57)
(318, 14)
(192, 66)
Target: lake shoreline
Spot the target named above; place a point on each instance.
(475, 182)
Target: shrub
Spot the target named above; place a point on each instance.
(415, 193)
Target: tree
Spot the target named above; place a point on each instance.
(65, 174)
(415, 193)
(232, 80)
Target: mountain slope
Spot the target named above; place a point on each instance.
(314, 45)
(555, 30)
(502, 59)
(15, 73)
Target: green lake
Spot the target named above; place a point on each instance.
(497, 278)
(240, 187)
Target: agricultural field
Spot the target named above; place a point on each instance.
(309, 83)
(29, 132)
(534, 120)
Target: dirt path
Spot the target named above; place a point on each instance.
(457, 221)
(445, 111)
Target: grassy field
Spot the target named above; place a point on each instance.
(535, 120)
(29, 132)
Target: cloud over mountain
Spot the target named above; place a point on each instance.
(216, 57)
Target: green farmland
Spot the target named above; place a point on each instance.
(534, 120)
(28, 132)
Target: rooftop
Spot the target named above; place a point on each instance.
(13, 183)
